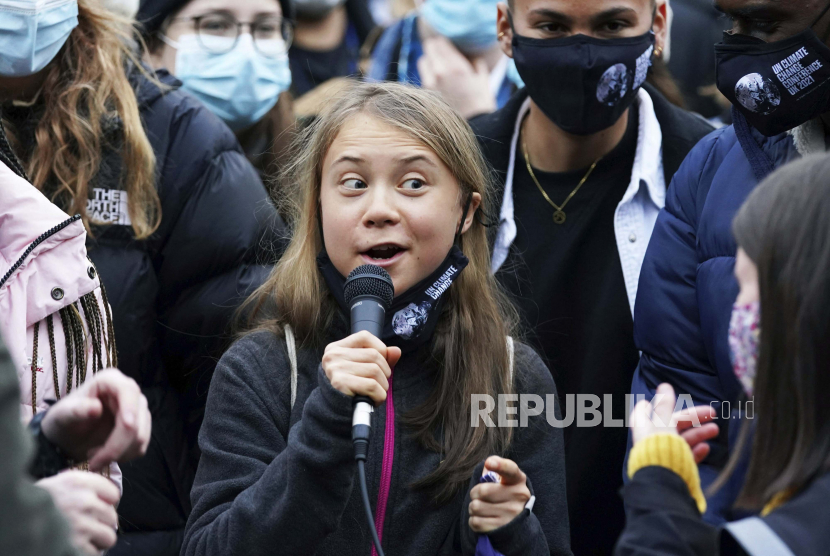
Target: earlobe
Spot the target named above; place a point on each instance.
(506, 43)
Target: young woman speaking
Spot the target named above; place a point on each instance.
(391, 176)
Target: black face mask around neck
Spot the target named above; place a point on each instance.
(412, 318)
(776, 86)
(583, 84)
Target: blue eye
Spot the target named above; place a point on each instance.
(413, 184)
(355, 183)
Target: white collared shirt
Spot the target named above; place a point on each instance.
(636, 213)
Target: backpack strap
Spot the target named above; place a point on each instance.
(757, 538)
(510, 355)
(291, 345)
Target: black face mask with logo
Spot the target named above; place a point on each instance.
(776, 86)
(412, 318)
(583, 84)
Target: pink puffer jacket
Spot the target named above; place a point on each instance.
(50, 298)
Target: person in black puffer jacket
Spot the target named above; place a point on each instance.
(182, 230)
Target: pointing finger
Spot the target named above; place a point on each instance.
(507, 469)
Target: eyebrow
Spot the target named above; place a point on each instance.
(348, 158)
(417, 158)
(406, 160)
(566, 19)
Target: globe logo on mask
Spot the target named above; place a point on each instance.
(758, 94)
(407, 322)
(613, 85)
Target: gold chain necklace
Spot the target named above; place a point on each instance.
(559, 216)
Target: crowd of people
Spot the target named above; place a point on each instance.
(617, 209)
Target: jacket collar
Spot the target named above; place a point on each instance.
(765, 154)
(681, 131)
(148, 91)
(647, 173)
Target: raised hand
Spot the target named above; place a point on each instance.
(104, 420)
(493, 505)
(657, 417)
(464, 85)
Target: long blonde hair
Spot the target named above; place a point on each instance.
(470, 339)
(86, 88)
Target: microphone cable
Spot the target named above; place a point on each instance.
(361, 429)
(368, 291)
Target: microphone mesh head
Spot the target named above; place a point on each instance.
(369, 279)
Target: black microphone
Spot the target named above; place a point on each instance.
(368, 293)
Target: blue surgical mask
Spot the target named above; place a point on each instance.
(240, 86)
(32, 32)
(469, 24)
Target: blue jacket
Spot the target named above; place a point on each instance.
(687, 288)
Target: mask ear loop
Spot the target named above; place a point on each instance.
(463, 219)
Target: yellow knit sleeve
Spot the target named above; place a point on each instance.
(673, 453)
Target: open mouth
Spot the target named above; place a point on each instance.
(384, 252)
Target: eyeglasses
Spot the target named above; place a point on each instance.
(219, 33)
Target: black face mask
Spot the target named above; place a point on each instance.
(776, 86)
(411, 320)
(583, 84)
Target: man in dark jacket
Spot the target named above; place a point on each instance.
(173, 296)
(583, 156)
(687, 285)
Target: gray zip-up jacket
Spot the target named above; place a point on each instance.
(278, 481)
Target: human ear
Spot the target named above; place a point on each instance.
(504, 30)
(475, 202)
(661, 26)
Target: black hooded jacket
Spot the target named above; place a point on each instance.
(173, 295)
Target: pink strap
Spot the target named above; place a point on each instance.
(386, 469)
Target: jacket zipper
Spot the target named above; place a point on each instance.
(386, 468)
(43, 237)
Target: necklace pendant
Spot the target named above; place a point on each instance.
(559, 217)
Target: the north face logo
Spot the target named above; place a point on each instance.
(108, 206)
